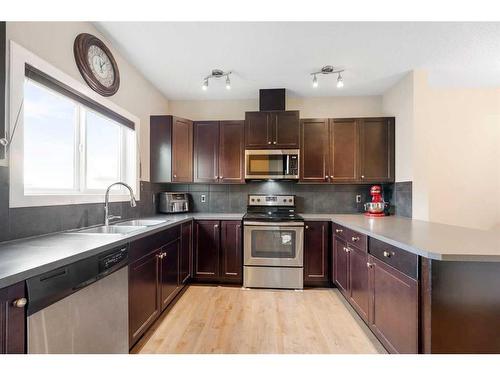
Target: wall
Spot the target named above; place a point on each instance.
(338, 106)
(456, 155)
(53, 41)
(398, 102)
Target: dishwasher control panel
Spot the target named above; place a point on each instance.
(111, 260)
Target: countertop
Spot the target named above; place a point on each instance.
(25, 258)
(430, 240)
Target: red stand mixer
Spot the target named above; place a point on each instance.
(376, 208)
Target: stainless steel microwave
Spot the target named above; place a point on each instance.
(272, 164)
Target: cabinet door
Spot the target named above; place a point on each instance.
(169, 272)
(182, 150)
(358, 281)
(257, 130)
(316, 253)
(12, 320)
(341, 265)
(231, 252)
(186, 252)
(144, 304)
(344, 150)
(285, 129)
(376, 140)
(231, 152)
(206, 249)
(393, 307)
(160, 148)
(314, 151)
(206, 151)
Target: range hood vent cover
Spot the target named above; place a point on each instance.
(272, 99)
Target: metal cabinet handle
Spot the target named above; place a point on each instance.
(339, 230)
(355, 239)
(387, 254)
(274, 142)
(216, 226)
(369, 265)
(347, 250)
(362, 176)
(307, 226)
(20, 302)
(331, 176)
(269, 142)
(221, 177)
(175, 176)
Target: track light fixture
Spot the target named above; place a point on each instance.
(329, 69)
(217, 73)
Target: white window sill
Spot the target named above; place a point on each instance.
(60, 200)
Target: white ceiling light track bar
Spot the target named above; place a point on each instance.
(217, 73)
(329, 69)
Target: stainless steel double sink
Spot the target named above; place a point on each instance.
(121, 228)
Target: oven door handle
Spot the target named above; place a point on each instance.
(276, 224)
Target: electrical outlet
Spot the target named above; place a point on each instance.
(358, 198)
(203, 198)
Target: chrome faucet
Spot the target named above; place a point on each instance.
(108, 217)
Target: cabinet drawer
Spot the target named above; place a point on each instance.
(356, 239)
(144, 245)
(400, 259)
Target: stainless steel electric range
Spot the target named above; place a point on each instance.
(273, 243)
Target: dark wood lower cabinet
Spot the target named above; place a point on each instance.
(316, 251)
(169, 273)
(144, 306)
(358, 281)
(206, 250)
(341, 265)
(12, 320)
(154, 278)
(231, 268)
(218, 251)
(186, 252)
(393, 307)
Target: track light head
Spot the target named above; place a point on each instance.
(228, 83)
(340, 81)
(315, 81)
(205, 85)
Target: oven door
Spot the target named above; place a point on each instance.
(271, 164)
(279, 244)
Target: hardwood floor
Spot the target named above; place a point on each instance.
(216, 319)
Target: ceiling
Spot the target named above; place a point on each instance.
(176, 56)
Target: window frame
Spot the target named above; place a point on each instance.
(18, 60)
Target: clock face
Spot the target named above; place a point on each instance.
(101, 66)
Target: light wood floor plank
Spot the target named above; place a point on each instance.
(217, 319)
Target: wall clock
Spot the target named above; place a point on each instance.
(96, 64)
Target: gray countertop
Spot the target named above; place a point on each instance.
(431, 240)
(25, 258)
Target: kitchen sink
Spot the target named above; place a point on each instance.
(111, 229)
(141, 223)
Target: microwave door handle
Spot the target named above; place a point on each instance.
(287, 165)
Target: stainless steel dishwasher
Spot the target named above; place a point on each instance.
(81, 308)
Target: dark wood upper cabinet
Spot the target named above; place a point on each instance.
(285, 129)
(314, 151)
(144, 306)
(359, 292)
(12, 320)
(171, 149)
(376, 149)
(206, 151)
(186, 252)
(277, 129)
(231, 266)
(257, 130)
(343, 161)
(231, 152)
(316, 250)
(393, 307)
(169, 272)
(341, 265)
(182, 150)
(206, 249)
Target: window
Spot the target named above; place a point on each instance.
(70, 148)
(70, 143)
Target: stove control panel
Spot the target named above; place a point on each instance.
(271, 200)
